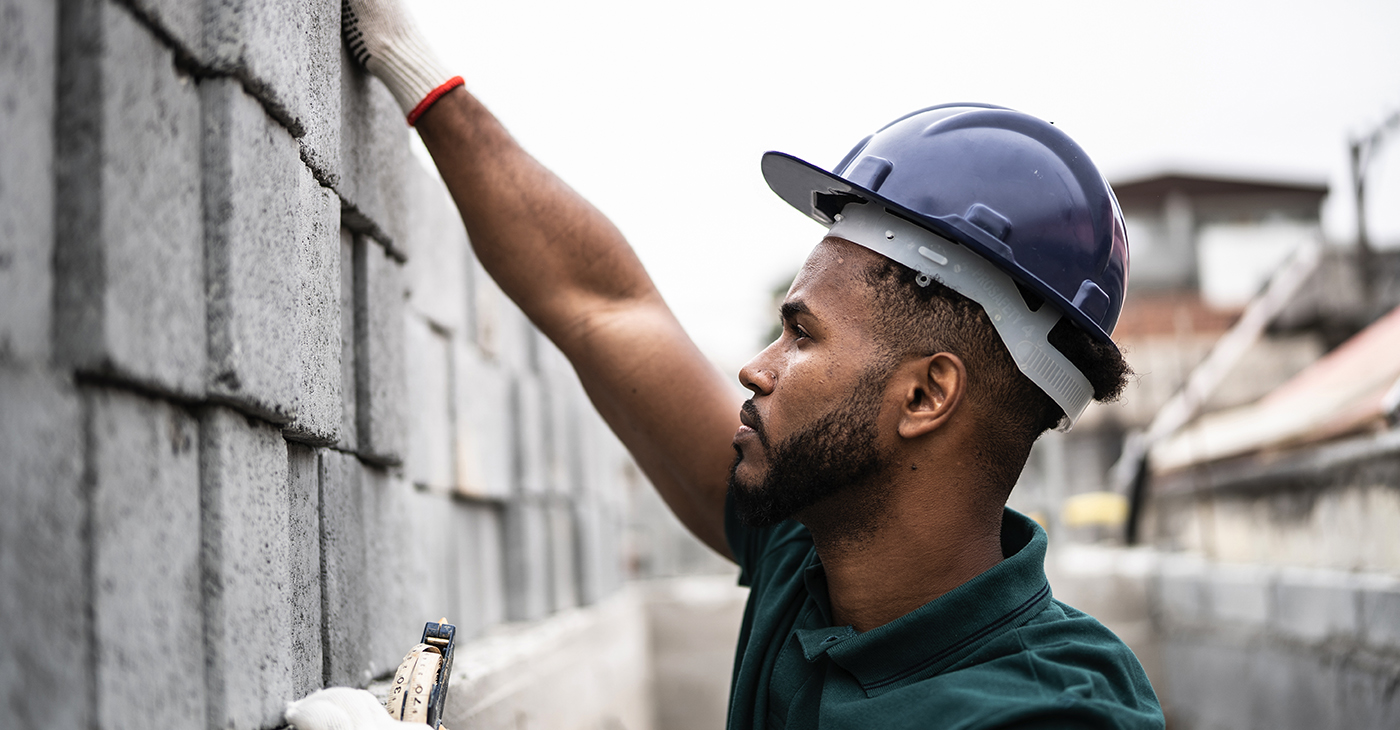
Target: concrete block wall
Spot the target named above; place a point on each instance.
(1246, 645)
(262, 415)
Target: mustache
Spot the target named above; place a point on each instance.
(755, 421)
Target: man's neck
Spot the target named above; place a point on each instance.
(918, 551)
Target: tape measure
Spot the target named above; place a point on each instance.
(420, 684)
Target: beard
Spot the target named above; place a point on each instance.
(836, 454)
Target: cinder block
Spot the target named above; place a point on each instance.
(404, 589)
(130, 244)
(563, 555)
(318, 317)
(252, 190)
(1315, 605)
(304, 566)
(598, 560)
(532, 460)
(44, 652)
(348, 411)
(28, 72)
(247, 556)
(1240, 594)
(478, 538)
(429, 364)
(1209, 683)
(436, 245)
(527, 560)
(345, 599)
(1366, 697)
(485, 431)
(374, 158)
(182, 20)
(1179, 591)
(565, 401)
(380, 391)
(1380, 613)
(146, 562)
(1289, 689)
(288, 54)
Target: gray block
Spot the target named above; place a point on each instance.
(437, 270)
(1209, 684)
(318, 317)
(348, 412)
(286, 53)
(247, 582)
(429, 365)
(1179, 591)
(379, 351)
(1380, 613)
(478, 545)
(130, 244)
(563, 555)
(406, 558)
(1366, 697)
(532, 459)
(1290, 689)
(526, 560)
(181, 20)
(345, 600)
(146, 562)
(28, 71)
(374, 158)
(304, 566)
(485, 432)
(252, 189)
(1240, 594)
(1315, 605)
(45, 658)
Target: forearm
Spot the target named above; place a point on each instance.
(550, 250)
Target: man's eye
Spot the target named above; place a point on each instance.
(800, 333)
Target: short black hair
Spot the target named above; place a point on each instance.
(923, 320)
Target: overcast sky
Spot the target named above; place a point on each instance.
(658, 112)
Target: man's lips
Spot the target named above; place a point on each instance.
(751, 423)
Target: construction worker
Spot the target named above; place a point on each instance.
(960, 306)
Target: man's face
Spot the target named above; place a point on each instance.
(812, 428)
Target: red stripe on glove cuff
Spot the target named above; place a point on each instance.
(432, 98)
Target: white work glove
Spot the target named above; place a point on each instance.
(382, 37)
(342, 708)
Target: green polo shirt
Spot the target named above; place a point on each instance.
(996, 652)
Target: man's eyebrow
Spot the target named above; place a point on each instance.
(790, 310)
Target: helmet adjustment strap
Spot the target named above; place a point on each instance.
(1024, 332)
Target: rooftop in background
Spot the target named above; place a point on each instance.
(1153, 188)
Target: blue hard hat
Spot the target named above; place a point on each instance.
(1008, 186)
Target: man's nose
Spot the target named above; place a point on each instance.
(757, 376)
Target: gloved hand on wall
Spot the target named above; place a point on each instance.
(383, 38)
(342, 708)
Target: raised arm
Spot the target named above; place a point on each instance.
(574, 275)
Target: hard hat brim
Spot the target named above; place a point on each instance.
(804, 186)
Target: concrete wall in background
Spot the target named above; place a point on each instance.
(261, 413)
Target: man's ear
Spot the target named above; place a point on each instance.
(932, 394)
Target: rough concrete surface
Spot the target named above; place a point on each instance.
(252, 189)
(129, 214)
(379, 354)
(304, 566)
(146, 569)
(28, 69)
(247, 561)
(439, 257)
(527, 560)
(285, 52)
(348, 411)
(318, 316)
(344, 599)
(429, 378)
(485, 434)
(478, 542)
(44, 655)
(374, 157)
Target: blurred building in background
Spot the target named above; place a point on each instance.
(1262, 590)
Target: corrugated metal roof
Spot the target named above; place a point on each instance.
(1345, 392)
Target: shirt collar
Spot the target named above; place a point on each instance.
(932, 637)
